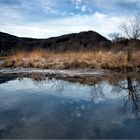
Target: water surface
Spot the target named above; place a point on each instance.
(51, 108)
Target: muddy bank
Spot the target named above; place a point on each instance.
(85, 76)
(55, 73)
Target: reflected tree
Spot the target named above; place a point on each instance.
(131, 101)
(96, 92)
(59, 86)
(38, 78)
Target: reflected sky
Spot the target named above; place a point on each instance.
(60, 109)
(62, 88)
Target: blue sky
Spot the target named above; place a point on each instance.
(46, 18)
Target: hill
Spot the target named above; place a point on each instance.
(89, 40)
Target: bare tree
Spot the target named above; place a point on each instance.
(114, 36)
(131, 27)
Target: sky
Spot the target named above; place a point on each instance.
(48, 18)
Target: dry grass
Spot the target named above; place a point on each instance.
(69, 60)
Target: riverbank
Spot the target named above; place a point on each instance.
(85, 76)
(55, 73)
(115, 61)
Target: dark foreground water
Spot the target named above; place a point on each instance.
(60, 109)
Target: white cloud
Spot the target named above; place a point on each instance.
(8, 12)
(83, 8)
(77, 2)
(46, 18)
(79, 5)
(49, 6)
(99, 22)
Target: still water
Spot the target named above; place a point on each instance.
(51, 108)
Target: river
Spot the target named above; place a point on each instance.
(41, 107)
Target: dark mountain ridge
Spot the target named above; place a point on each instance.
(89, 40)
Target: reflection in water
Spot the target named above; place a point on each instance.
(131, 98)
(4, 79)
(96, 92)
(34, 106)
(131, 102)
(38, 78)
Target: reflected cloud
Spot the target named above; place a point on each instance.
(125, 88)
(36, 106)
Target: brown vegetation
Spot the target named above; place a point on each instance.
(69, 60)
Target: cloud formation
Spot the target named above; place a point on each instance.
(46, 18)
